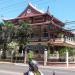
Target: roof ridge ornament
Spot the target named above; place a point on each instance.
(33, 6)
(30, 3)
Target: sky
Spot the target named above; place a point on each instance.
(64, 10)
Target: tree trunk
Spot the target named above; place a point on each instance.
(4, 51)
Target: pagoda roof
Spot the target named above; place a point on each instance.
(30, 10)
(35, 8)
(25, 17)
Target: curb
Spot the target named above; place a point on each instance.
(50, 67)
(5, 62)
(40, 66)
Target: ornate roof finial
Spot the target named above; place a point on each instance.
(48, 10)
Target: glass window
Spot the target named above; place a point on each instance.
(50, 27)
(45, 34)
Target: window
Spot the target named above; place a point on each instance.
(39, 19)
(45, 32)
(32, 35)
(50, 27)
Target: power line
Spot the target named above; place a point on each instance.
(6, 3)
(71, 30)
(1, 1)
(37, 1)
(70, 22)
(10, 5)
(12, 10)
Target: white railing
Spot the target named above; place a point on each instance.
(62, 40)
(53, 56)
(59, 40)
(34, 39)
(44, 38)
(54, 40)
(70, 42)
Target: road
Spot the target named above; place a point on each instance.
(12, 69)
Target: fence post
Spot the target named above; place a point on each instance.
(67, 62)
(45, 57)
(12, 56)
(25, 56)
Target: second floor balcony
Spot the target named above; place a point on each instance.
(56, 41)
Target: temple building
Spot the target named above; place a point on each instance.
(48, 31)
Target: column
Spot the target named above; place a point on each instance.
(12, 55)
(48, 33)
(62, 37)
(67, 62)
(1, 51)
(45, 57)
(57, 53)
(40, 34)
(74, 55)
(25, 56)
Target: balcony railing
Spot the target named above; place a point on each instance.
(53, 40)
(38, 39)
(63, 40)
(44, 38)
(34, 39)
(58, 40)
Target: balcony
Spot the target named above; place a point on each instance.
(44, 39)
(55, 41)
(62, 42)
(35, 39)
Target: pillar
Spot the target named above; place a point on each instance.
(1, 51)
(45, 57)
(12, 55)
(67, 62)
(62, 37)
(25, 56)
(57, 53)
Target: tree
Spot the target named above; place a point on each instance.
(7, 34)
(23, 33)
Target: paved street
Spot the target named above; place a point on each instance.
(2, 72)
(13, 69)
